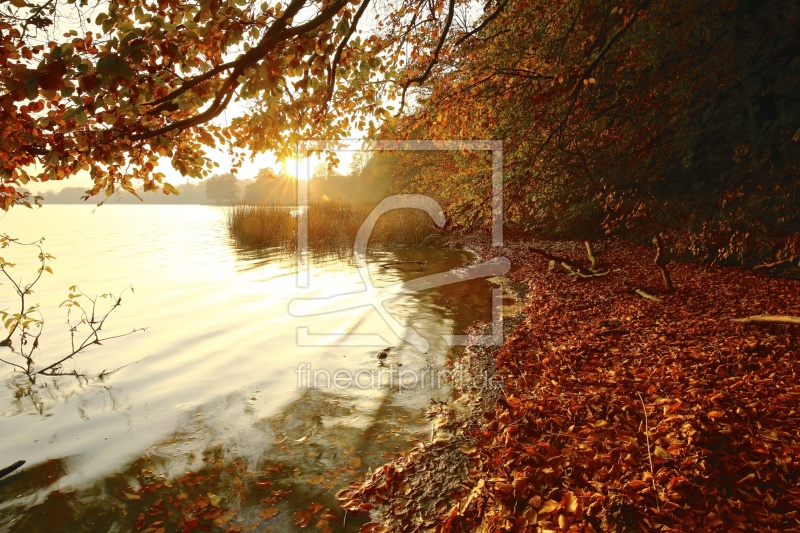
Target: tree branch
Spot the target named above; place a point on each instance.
(277, 33)
(483, 24)
(435, 59)
(587, 72)
(340, 50)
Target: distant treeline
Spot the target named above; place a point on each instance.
(365, 184)
(190, 193)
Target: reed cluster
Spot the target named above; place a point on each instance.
(332, 226)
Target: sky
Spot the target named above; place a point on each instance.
(248, 170)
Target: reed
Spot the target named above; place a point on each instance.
(332, 227)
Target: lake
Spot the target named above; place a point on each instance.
(229, 412)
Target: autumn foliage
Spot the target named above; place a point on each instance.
(618, 118)
(110, 90)
(622, 414)
(628, 119)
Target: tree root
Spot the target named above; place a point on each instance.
(590, 253)
(661, 264)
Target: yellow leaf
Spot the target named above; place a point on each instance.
(570, 502)
(661, 452)
(549, 506)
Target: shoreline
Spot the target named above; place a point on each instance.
(618, 412)
(414, 486)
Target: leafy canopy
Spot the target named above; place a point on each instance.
(626, 118)
(111, 87)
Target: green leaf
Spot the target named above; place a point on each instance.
(114, 66)
(31, 86)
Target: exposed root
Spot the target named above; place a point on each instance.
(661, 264)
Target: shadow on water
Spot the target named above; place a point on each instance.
(233, 464)
(282, 473)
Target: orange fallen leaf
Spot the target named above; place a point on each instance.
(268, 512)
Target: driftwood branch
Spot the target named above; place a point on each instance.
(618, 331)
(788, 260)
(592, 274)
(568, 264)
(7, 470)
(661, 264)
(396, 264)
(640, 291)
(768, 319)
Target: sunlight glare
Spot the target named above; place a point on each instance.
(298, 168)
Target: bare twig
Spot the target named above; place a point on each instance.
(768, 319)
(649, 456)
(28, 323)
(94, 324)
(21, 319)
(434, 58)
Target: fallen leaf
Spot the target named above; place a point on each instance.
(268, 512)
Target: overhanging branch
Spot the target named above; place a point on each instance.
(435, 59)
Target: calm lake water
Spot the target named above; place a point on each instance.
(226, 413)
